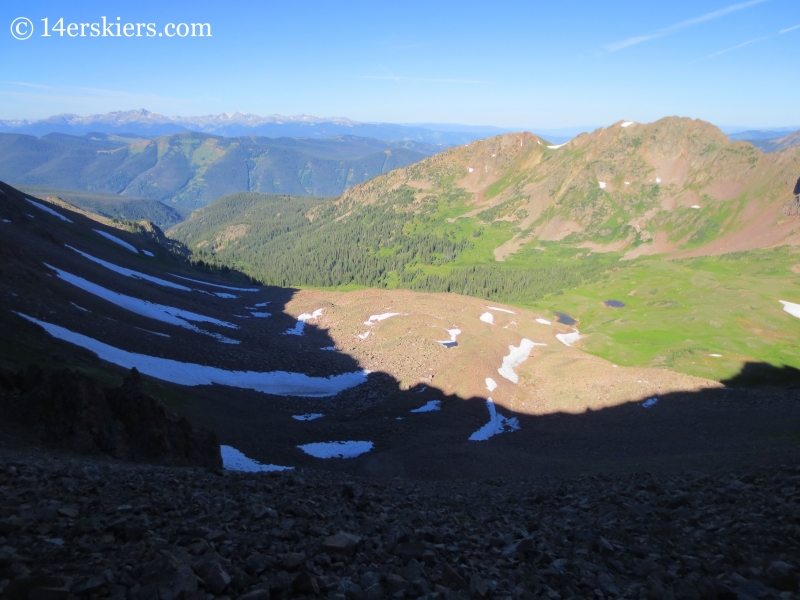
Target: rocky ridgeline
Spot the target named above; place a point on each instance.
(73, 411)
(81, 528)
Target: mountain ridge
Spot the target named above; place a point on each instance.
(192, 169)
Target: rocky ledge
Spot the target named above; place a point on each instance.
(85, 528)
(74, 411)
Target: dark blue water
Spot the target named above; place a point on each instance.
(614, 304)
(564, 318)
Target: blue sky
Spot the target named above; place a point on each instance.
(510, 64)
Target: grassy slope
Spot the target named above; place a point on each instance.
(677, 313)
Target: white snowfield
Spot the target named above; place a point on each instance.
(308, 417)
(627, 124)
(375, 318)
(557, 147)
(568, 338)
(261, 304)
(543, 321)
(791, 308)
(516, 356)
(279, 383)
(130, 272)
(491, 384)
(148, 253)
(47, 209)
(301, 322)
(602, 185)
(497, 424)
(260, 315)
(431, 406)
(224, 287)
(349, 449)
(234, 460)
(116, 240)
(159, 312)
(505, 310)
(487, 317)
(452, 341)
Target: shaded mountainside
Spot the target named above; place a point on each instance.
(115, 206)
(193, 169)
(427, 386)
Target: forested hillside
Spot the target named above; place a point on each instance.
(190, 170)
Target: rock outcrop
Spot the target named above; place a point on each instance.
(74, 411)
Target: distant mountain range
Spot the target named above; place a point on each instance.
(145, 123)
(190, 170)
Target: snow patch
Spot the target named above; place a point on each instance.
(649, 402)
(470, 169)
(695, 206)
(349, 449)
(375, 318)
(261, 304)
(487, 318)
(568, 338)
(505, 310)
(716, 355)
(234, 460)
(80, 307)
(301, 322)
(516, 356)
(279, 383)
(329, 348)
(627, 124)
(159, 312)
(154, 332)
(116, 240)
(452, 341)
(431, 406)
(627, 183)
(261, 315)
(47, 209)
(130, 272)
(557, 147)
(308, 417)
(543, 321)
(363, 336)
(791, 308)
(148, 253)
(224, 287)
(491, 384)
(6, 221)
(602, 185)
(497, 424)
(658, 180)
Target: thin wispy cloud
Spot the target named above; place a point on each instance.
(632, 41)
(424, 79)
(726, 50)
(782, 31)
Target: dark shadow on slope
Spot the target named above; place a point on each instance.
(765, 375)
(709, 429)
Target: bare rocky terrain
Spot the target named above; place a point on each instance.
(78, 528)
